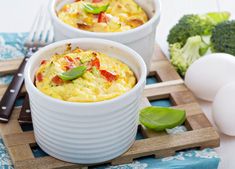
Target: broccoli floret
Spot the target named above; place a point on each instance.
(192, 25)
(183, 57)
(223, 38)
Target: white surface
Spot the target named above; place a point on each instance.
(86, 133)
(17, 16)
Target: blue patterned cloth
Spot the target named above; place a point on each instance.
(11, 47)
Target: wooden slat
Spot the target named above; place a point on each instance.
(165, 70)
(20, 153)
(152, 146)
(12, 126)
(158, 54)
(9, 67)
(198, 121)
(147, 133)
(19, 138)
(46, 163)
(164, 153)
(163, 91)
(191, 109)
(164, 84)
(182, 97)
(2, 90)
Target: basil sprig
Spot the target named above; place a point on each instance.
(95, 9)
(73, 73)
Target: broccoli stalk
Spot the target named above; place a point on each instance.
(192, 25)
(183, 57)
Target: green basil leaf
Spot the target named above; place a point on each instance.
(161, 118)
(95, 9)
(73, 73)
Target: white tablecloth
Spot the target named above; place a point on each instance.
(18, 15)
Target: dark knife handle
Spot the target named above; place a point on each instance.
(25, 113)
(8, 100)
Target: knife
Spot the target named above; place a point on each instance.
(8, 100)
(25, 113)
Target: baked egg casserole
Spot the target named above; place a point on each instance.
(84, 76)
(103, 15)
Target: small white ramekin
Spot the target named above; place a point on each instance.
(141, 39)
(86, 133)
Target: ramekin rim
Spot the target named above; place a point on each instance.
(138, 85)
(155, 17)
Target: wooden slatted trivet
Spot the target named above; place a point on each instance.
(200, 132)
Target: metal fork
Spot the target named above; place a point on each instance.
(40, 35)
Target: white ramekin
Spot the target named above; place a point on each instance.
(86, 133)
(141, 39)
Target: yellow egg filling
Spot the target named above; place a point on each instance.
(103, 15)
(103, 78)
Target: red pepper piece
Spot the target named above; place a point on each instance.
(68, 58)
(43, 62)
(77, 58)
(95, 63)
(39, 77)
(102, 17)
(57, 80)
(96, 1)
(68, 67)
(108, 75)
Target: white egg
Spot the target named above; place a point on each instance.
(223, 109)
(209, 73)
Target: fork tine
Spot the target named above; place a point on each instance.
(50, 35)
(46, 29)
(30, 37)
(40, 27)
(41, 33)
